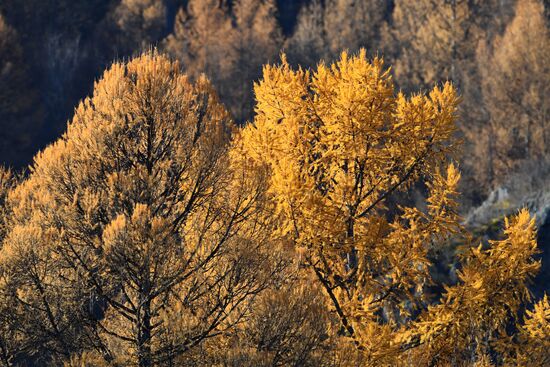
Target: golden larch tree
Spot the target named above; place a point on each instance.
(229, 44)
(530, 346)
(339, 145)
(200, 39)
(133, 224)
(308, 45)
(255, 41)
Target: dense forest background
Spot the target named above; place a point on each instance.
(495, 52)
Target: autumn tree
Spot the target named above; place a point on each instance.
(230, 45)
(56, 37)
(530, 346)
(199, 40)
(8, 339)
(256, 41)
(134, 25)
(288, 325)
(471, 320)
(132, 239)
(351, 24)
(308, 45)
(516, 78)
(339, 144)
(435, 40)
(324, 29)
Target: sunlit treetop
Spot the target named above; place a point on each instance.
(342, 147)
(339, 140)
(136, 214)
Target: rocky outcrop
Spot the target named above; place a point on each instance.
(522, 192)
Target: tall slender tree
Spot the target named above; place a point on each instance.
(229, 45)
(516, 79)
(257, 41)
(308, 44)
(433, 41)
(134, 25)
(324, 29)
(200, 39)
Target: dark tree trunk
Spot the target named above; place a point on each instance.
(144, 336)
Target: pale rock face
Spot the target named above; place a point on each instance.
(496, 205)
(529, 188)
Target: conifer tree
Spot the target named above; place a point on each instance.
(308, 43)
(229, 46)
(288, 325)
(132, 238)
(200, 39)
(352, 24)
(530, 346)
(339, 144)
(56, 38)
(515, 84)
(135, 25)
(324, 29)
(256, 41)
(9, 343)
(435, 40)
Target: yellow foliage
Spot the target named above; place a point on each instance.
(338, 144)
(530, 346)
(147, 233)
(132, 234)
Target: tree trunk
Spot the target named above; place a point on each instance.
(144, 336)
(144, 321)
